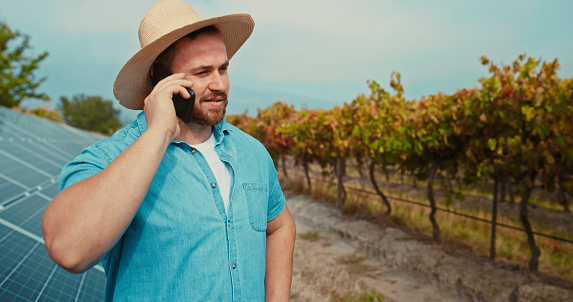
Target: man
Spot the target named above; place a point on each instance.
(176, 211)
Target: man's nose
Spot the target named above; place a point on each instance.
(217, 82)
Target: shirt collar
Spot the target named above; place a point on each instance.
(221, 129)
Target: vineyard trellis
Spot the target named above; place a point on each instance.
(417, 203)
(516, 128)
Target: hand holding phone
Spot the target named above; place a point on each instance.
(183, 107)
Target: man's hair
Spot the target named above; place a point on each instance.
(167, 56)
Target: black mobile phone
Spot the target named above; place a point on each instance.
(183, 107)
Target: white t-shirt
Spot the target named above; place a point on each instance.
(220, 169)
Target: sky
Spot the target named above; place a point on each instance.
(320, 53)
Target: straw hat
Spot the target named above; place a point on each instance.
(166, 22)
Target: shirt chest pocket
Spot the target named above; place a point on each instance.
(257, 195)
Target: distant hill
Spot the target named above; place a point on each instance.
(242, 99)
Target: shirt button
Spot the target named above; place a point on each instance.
(233, 266)
(193, 151)
(229, 223)
(214, 185)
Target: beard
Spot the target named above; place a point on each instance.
(209, 116)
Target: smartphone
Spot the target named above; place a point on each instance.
(183, 107)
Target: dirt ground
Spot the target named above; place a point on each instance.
(342, 258)
(329, 268)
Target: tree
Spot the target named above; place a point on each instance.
(17, 78)
(91, 113)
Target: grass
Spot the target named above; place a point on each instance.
(311, 236)
(326, 194)
(368, 296)
(353, 259)
(511, 245)
(307, 274)
(355, 264)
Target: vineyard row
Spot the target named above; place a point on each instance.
(516, 128)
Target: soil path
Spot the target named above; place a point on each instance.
(328, 267)
(341, 258)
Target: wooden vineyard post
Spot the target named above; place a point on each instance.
(493, 221)
(340, 192)
(306, 173)
(430, 191)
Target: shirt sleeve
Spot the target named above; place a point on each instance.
(277, 199)
(90, 162)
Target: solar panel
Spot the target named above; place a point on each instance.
(32, 153)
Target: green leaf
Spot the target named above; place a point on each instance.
(491, 143)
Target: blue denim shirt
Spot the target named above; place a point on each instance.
(181, 246)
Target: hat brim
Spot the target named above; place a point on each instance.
(133, 83)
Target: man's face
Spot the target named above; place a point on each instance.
(204, 61)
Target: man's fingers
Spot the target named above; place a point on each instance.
(175, 87)
(174, 79)
(184, 93)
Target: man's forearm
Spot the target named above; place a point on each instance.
(280, 247)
